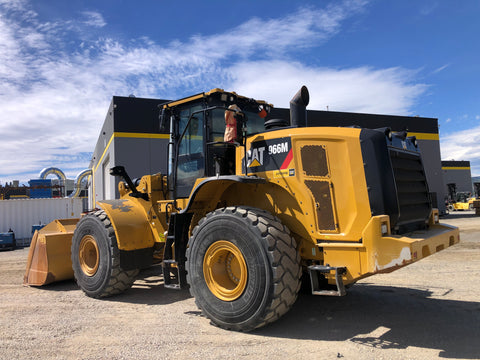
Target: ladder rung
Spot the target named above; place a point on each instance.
(325, 269)
(169, 261)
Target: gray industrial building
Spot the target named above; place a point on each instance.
(458, 173)
(131, 137)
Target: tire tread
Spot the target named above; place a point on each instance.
(119, 280)
(284, 259)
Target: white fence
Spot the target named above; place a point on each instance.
(21, 214)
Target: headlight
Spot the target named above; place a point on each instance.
(384, 229)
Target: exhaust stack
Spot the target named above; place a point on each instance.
(298, 108)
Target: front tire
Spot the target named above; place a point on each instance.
(96, 258)
(243, 268)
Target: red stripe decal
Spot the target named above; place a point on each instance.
(287, 161)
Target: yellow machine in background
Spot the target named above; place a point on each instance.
(244, 215)
(459, 200)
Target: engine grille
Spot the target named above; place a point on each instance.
(412, 190)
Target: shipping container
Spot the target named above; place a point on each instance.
(40, 188)
(21, 214)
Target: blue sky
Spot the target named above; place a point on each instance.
(62, 61)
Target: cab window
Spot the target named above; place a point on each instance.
(191, 157)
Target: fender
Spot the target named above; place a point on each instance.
(134, 235)
(216, 185)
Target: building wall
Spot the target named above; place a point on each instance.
(459, 173)
(103, 150)
(432, 163)
(130, 137)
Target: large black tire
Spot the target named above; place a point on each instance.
(96, 258)
(243, 268)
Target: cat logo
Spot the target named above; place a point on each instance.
(255, 156)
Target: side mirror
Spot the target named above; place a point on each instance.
(163, 120)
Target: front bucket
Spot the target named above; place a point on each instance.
(49, 256)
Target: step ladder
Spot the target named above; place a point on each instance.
(173, 265)
(173, 275)
(316, 271)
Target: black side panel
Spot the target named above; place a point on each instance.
(382, 190)
(136, 259)
(137, 115)
(369, 121)
(455, 163)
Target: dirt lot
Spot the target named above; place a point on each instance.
(427, 310)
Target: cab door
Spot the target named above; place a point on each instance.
(191, 150)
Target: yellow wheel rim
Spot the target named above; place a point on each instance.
(88, 255)
(225, 270)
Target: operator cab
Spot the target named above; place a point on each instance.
(205, 130)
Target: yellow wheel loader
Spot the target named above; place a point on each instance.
(249, 209)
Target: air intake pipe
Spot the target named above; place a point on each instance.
(78, 182)
(298, 108)
(52, 171)
(61, 176)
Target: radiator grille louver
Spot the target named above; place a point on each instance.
(412, 189)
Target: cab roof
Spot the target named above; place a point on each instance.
(224, 95)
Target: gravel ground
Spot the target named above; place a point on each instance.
(427, 310)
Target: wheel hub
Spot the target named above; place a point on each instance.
(225, 270)
(88, 255)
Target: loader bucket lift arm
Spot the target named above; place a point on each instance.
(120, 171)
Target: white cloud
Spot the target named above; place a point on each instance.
(428, 8)
(463, 145)
(54, 99)
(94, 19)
(361, 89)
(441, 68)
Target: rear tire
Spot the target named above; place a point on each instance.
(243, 268)
(96, 258)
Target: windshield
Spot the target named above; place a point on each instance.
(255, 124)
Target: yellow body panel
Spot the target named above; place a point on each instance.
(129, 220)
(293, 202)
(385, 253)
(136, 222)
(461, 206)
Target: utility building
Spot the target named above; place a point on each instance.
(458, 173)
(131, 137)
